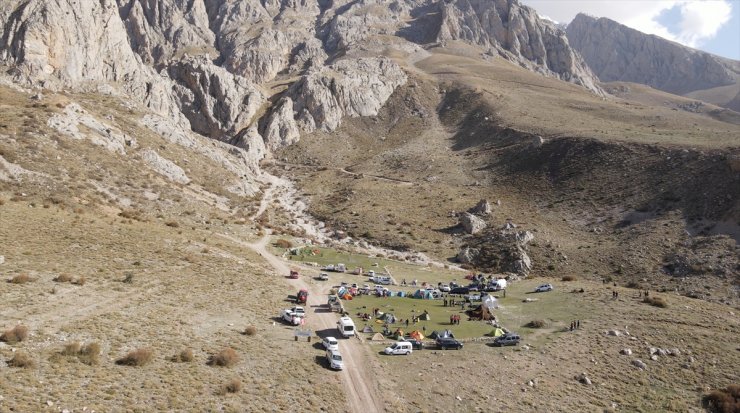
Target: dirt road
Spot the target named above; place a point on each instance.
(357, 377)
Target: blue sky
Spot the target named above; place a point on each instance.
(710, 25)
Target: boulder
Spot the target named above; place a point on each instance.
(467, 255)
(583, 378)
(471, 223)
(639, 364)
(626, 352)
(483, 207)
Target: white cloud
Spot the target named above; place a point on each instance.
(700, 19)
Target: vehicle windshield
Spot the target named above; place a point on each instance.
(348, 328)
(336, 357)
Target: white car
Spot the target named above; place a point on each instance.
(330, 343)
(544, 287)
(293, 315)
(323, 276)
(400, 347)
(444, 288)
(335, 359)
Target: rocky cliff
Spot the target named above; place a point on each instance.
(618, 53)
(238, 70)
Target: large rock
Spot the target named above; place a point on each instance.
(483, 207)
(617, 52)
(471, 223)
(517, 33)
(467, 255)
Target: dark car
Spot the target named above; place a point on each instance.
(415, 344)
(445, 343)
(460, 290)
(508, 339)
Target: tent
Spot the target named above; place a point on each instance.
(480, 313)
(417, 335)
(347, 297)
(367, 329)
(342, 291)
(423, 294)
(398, 334)
(402, 294)
(490, 302)
(377, 337)
(425, 317)
(443, 334)
(496, 332)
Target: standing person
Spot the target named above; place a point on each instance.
(578, 324)
(571, 326)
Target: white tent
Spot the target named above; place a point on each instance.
(490, 302)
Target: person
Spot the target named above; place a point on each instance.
(578, 324)
(452, 319)
(407, 322)
(571, 326)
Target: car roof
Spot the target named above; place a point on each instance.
(329, 338)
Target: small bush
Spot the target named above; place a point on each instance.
(173, 224)
(185, 356)
(233, 386)
(72, 349)
(724, 400)
(63, 278)
(536, 324)
(21, 279)
(656, 301)
(22, 360)
(138, 357)
(569, 278)
(80, 281)
(250, 330)
(283, 243)
(15, 334)
(90, 353)
(224, 358)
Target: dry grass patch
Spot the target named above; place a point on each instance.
(137, 358)
(233, 386)
(80, 281)
(656, 301)
(250, 331)
(536, 324)
(15, 334)
(21, 279)
(569, 278)
(224, 358)
(185, 356)
(63, 278)
(725, 400)
(283, 243)
(22, 360)
(88, 354)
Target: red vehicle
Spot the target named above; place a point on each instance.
(293, 274)
(301, 297)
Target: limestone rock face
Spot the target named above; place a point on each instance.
(518, 34)
(617, 52)
(471, 223)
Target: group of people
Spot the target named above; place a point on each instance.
(455, 319)
(575, 325)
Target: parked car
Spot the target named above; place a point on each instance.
(415, 344)
(323, 276)
(445, 343)
(293, 274)
(444, 288)
(335, 359)
(473, 297)
(508, 339)
(330, 343)
(544, 287)
(399, 347)
(492, 288)
(460, 290)
(473, 288)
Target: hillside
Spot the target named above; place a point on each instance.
(160, 162)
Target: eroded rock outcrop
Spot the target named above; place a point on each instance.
(617, 52)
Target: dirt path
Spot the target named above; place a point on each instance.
(357, 377)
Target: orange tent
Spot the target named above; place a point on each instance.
(417, 335)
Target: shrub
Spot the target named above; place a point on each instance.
(173, 224)
(21, 359)
(15, 334)
(725, 400)
(569, 278)
(72, 349)
(656, 301)
(80, 281)
(233, 386)
(283, 243)
(138, 357)
(536, 324)
(21, 279)
(90, 353)
(63, 278)
(224, 358)
(185, 356)
(250, 330)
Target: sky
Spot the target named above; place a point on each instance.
(709, 25)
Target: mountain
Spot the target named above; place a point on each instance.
(240, 70)
(618, 53)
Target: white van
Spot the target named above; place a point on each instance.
(346, 327)
(335, 359)
(382, 279)
(400, 347)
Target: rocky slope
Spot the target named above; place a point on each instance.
(618, 53)
(241, 70)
